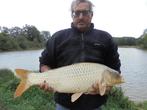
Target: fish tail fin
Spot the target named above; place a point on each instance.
(24, 85)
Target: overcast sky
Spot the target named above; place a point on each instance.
(118, 17)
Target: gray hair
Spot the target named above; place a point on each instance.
(76, 2)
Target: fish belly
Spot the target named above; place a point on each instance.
(75, 78)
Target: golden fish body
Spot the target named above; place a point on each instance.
(76, 78)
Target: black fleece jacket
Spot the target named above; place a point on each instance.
(70, 46)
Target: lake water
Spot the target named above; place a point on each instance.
(20, 59)
(134, 68)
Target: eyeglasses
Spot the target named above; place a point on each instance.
(83, 12)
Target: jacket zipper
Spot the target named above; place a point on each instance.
(83, 46)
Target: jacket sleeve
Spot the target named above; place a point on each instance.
(48, 55)
(112, 57)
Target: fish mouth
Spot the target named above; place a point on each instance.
(119, 81)
(122, 80)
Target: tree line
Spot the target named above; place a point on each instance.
(27, 37)
(140, 42)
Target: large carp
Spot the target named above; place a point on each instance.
(77, 79)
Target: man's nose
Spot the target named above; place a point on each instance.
(81, 15)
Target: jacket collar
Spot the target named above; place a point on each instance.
(89, 29)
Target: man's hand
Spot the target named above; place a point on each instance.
(45, 87)
(95, 89)
(44, 68)
(108, 89)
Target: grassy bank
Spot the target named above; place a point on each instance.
(36, 99)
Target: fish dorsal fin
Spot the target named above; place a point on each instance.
(102, 88)
(75, 96)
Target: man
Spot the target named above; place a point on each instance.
(80, 43)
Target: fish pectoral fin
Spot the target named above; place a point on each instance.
(102, 89)
(75, 96)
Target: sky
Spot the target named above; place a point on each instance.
(118, 17)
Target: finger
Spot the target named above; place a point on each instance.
(109, 88)
(50, 89)
(46, 87)
(42, 85)
(95, 86)
(95, 89)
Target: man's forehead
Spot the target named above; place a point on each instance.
(81, 6)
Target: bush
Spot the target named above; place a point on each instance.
(8, 43)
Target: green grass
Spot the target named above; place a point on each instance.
(33, 99)
(36, 99)
(117, 101)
